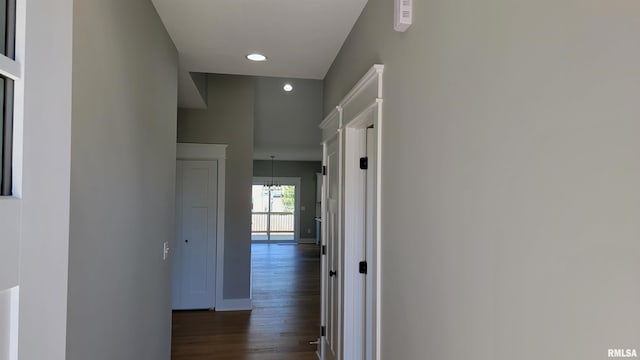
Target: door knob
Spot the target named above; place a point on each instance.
(332, 273)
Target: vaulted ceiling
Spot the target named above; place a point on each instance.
(300, 37)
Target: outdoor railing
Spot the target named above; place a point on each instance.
(280, 222)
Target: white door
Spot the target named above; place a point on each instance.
(195, 250)
(333, 272)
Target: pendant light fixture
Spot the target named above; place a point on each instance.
(273, 186)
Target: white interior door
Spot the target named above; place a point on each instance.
(194, 263)
(333, 272)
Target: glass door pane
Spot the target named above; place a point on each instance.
(283, 203)
(259, 212)
(273, 213)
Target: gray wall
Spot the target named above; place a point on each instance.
(229, 120)
(306, 171)
(122, 182)
(510, 176)
(286, 123)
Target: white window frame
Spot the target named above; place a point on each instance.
(13, 69)
(284, 180)
(10, 205)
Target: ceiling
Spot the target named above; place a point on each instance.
(300, 37)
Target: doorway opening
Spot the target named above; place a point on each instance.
(275, 215)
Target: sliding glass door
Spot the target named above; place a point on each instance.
(274, 214)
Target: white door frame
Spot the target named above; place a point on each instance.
(360, 109)
(355, 244)
(285, 180)
(211, 152)
(371, 230)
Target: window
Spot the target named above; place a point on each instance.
(7, 76)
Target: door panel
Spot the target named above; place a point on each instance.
(195, 250)
(196, 254)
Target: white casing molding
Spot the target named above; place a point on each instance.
(188, 151)
(359, 109)
(330, 125)
(234, 305)
(191, 151)
(366, 92)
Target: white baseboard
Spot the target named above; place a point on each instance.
(307, 241)
(234, 305)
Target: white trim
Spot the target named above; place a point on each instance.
(10, 68)
(331, 124)
(377, 301)
(331, 137)
(10, 206)
(355, 205)
(15, 67)
(323, 258)
(14, 323)
(372, 310)
(9, 242)
(368, 92)
(362, 119)
(190, 151)
(333, 116)
(341, 216)
(220, 242)
(234, 305)
(9, 316)
(374, 74)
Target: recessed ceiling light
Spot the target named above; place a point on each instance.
(256, 57)
(287, 87)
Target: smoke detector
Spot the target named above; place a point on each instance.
(403, 15)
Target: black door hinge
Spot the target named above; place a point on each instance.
(324, 170)
(362, 267)
(324, 249)
(364, 163)
(323, 331)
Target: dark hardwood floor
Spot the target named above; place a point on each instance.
(285, 316)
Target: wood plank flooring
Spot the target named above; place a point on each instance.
(285, 316)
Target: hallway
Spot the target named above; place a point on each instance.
(285, 316)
